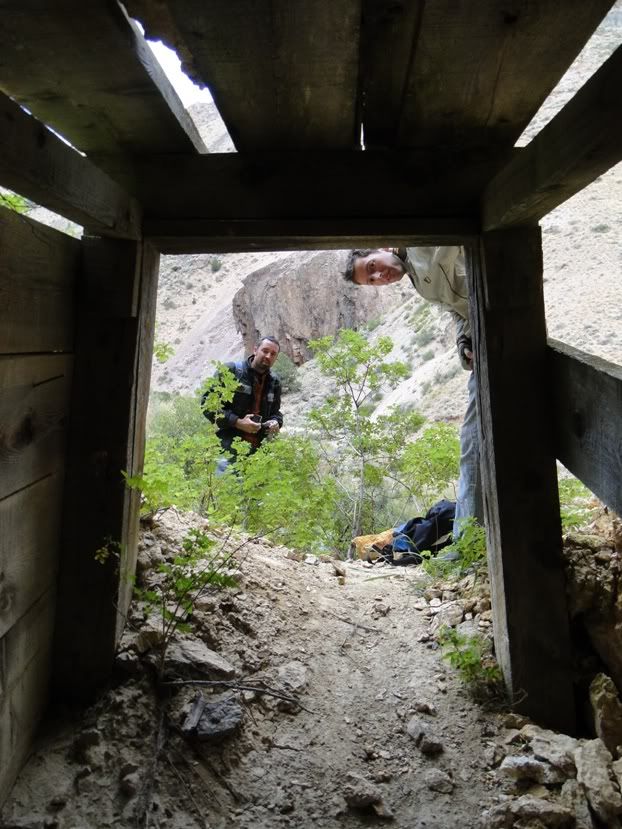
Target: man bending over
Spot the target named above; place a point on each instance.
(438, 275)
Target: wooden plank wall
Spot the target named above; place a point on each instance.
(38, 274)
(114, 339)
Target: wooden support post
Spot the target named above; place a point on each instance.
(111, 381)
(519, 475)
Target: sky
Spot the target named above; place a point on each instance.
(168, 60)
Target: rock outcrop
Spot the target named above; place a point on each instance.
(303, 297)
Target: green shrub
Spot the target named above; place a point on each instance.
(12, 201)
(472, 657)
(287, 372)
(215, 264)
(575, 510)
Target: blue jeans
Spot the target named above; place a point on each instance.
(469, 495)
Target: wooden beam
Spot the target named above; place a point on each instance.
(532, 641)
(36, 164)
(29, 541)
(86, 71)
(389, 39)
(479, 70)
(38, 278)
(34, 407)
(282, 77)
(210, 236)
(313, 185)
(581, 143)
(115, 329)
(587, 395)
(24, 674)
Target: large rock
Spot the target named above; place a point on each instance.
(607, 712)
(301, 298)
(594, 774)
(592, 581)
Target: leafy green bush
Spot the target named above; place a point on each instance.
(12, 201)
(287, 372)
(471, 656)
(181, 582)
(162, 351)
(574, 498)
(431, 463)
(215, 264)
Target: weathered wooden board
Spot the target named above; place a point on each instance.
(588, 419)
(38, 279)
(314, 185)
(29, 542)
(283, 75)
(104, 421)
(37, 164)
(212, 236)
(86, 71)
(146, 312)
(24, 674)
(530, 616)
(581, 143)
(481, 69)
(34, 410)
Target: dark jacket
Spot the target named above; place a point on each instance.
(242, 403)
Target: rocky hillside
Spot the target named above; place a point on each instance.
(304, 297)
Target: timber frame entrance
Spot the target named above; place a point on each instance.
(441, 91)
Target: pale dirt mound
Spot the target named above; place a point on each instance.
(349, 652)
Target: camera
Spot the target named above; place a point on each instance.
(256, 418)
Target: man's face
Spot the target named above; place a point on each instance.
(380, 267)
(264, 356)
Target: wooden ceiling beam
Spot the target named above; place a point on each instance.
(284, 75)
(477, 71)
(579, 144)
(85, 70)
(209, 236)
(36, 164)
(312, 185)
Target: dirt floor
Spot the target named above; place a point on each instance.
(384, 731)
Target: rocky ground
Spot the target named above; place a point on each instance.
(333, 709)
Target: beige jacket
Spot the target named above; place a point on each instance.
(439, 275)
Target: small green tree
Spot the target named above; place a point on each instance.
(368, 448)
(431, 463)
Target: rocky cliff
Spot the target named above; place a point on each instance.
(303, 297)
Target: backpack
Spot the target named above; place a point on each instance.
(433, 532)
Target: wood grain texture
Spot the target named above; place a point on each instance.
(212, 236)
(34, 411)
(86, 71)
(480, 69)
(314, 185)
(37, 164)
(283, 75)
(580, 143)
(587, 394)
(530, 616)
(105, 418)
(39, 270)
(24, 675)
(149, 271)
(29, 542)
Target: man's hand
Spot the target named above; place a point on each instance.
(272, 427)
(245, 424)
(468, 358)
